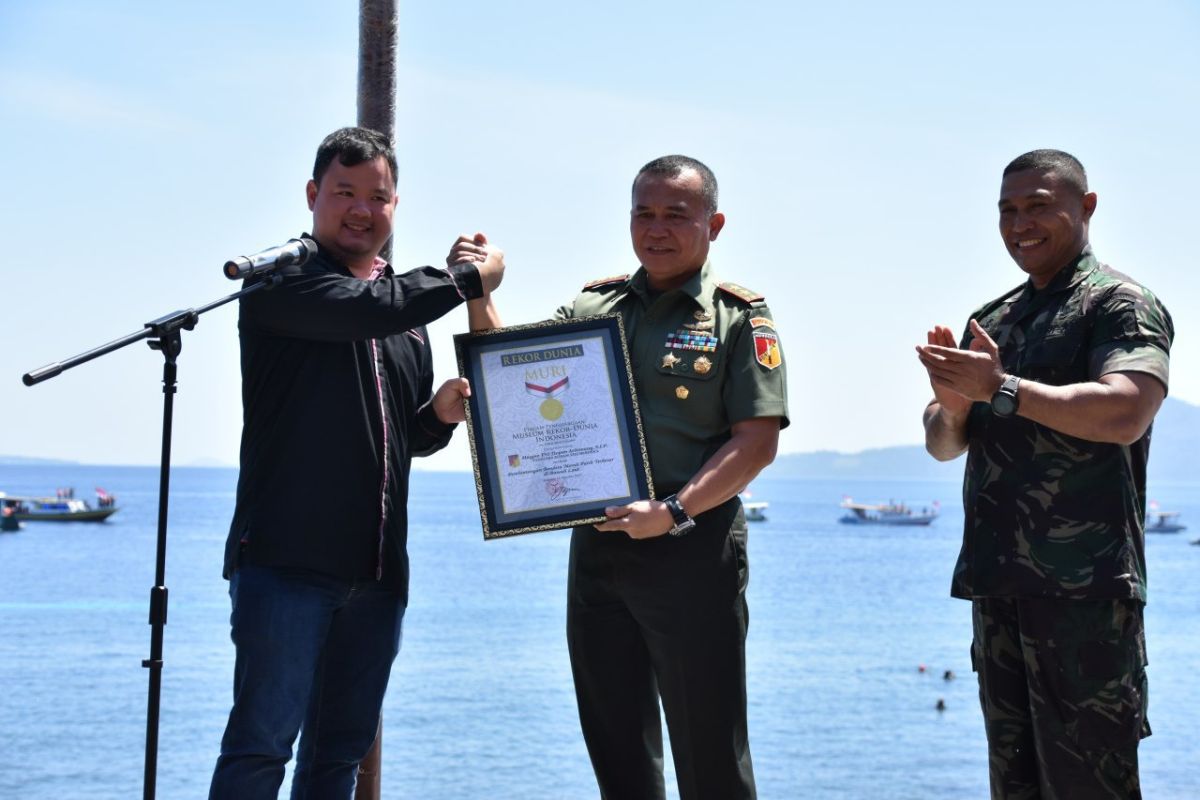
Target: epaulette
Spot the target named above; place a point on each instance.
(606, 281)
(740, 292)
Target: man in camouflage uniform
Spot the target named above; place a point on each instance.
(1052, 392)
(654, 615)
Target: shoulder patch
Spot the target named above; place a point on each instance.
(766, 348)
(762, 322)
(740, 292)
(606, 281)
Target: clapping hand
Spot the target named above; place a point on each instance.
(960, 377)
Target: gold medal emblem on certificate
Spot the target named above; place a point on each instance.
(551, 409)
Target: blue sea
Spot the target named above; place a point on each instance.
(481, 706)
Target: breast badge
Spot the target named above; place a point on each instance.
(670, 360)
(702, 365)
(682, 392)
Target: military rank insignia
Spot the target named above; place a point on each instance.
(766, 348)
(740, 292)
(605, 282)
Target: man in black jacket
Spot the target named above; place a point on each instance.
(337, 397)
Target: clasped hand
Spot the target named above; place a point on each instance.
(960, 377)
(487, 258)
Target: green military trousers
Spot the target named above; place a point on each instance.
(663, 617)
(1063, 689)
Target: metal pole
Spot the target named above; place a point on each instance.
(170, 346)
(164, 334)
(377, 22)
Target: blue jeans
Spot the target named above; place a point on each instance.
(313, 654)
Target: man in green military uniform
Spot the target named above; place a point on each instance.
(656, 595)
(1051, 393)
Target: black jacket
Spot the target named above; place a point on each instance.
(327, 361)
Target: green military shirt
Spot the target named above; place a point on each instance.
(704, 356)
(1047, 514)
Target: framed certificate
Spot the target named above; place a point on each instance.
(554, 425)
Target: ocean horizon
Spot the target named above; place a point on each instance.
(853, 641)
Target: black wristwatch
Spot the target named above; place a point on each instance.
(683, 523)
(1005, 401)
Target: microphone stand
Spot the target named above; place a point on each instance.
(165, 334)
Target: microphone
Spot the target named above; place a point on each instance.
(294, 253)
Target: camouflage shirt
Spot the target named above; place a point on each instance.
(1047, 514)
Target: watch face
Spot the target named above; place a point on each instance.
(1004, 404)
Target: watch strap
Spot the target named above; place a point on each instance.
(682, 522)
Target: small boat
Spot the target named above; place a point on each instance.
(1164, 522)
(886, 514)
(8, 523)
(64, 507)
(756, 510)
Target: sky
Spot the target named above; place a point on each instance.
(859, 148)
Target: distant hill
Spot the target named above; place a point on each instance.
(1173, 456)
(884, 463)
(210, 463)
(1174, 452)
(25, 461)
(1175, 443)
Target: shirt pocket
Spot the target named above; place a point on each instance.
(1057, 357)
(690, 377)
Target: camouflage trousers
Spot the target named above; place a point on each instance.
(1063, 689)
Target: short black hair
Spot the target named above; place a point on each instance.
(674, 166)
(1066, 166)
(351, 147)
